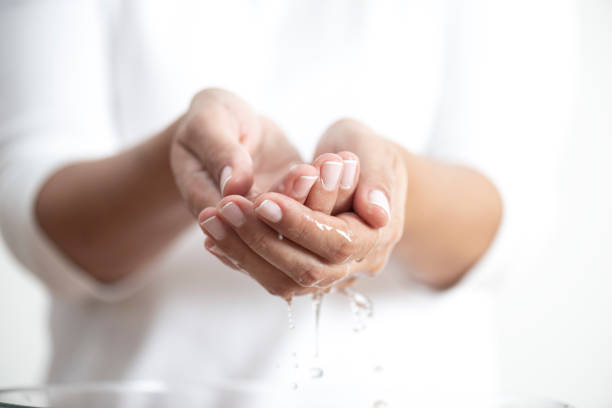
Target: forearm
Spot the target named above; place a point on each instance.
(452, 215)
(112, 216)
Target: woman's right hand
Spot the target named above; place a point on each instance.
(222, 147)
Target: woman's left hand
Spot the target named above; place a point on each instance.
(320, 250)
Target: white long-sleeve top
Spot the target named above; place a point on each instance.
(84, 79)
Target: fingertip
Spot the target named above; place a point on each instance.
(298, 182)
(304, 178)
(350, 170)
(325, 157)
(239, 200)
(208, 243)
(372, 205)
(239, 182)
(348, 155)
(272, 207)
(237, 177)
(205, 214)
(211, 224)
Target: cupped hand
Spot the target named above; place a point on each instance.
(318, 250)
(223, 147)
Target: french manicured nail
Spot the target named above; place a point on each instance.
(303, 185)
(270, 211)
(217, 251)
(348, 174)
(330, 174)
(214, 227)
(232, 213)
(379, 198)
(226, 174)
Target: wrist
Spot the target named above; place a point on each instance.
(412, 165)
(154, 158)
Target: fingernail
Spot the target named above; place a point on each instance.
(270, 211)
(330, 173)
(379, 198)
(214, 227)
(217, 251)
(303, 185)
(232, 213)
(348, 174)
(226, 174)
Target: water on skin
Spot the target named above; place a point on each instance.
(324, 227)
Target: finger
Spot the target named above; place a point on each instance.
(304, 267)
(193, 181)
(298, 182)
(211, 247)
(323, 194)
(240, 255)
(220, 131)
(337, 239)
(373, 196)
(348, 183)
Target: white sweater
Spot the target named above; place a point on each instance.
(84, 79)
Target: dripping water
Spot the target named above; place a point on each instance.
(317, 300)
(362, 309)
(290, 318)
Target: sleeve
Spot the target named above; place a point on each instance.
(55, 109)
(502, 111)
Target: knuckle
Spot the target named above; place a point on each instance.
(343, 252)
(299, 230)
(310, 275)
(257, 242)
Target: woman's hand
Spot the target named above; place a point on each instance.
(318, 250)
(222, 147)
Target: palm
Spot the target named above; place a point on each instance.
(272, 158)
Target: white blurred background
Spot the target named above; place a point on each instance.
(555, 311)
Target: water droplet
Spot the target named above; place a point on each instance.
(361, 307)
(380, 404)
(296, 367)
(316, 372)
(280, 236)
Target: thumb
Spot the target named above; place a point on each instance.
(373, 197)
(230, 165)
(222, 134)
